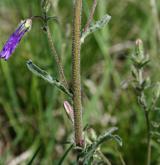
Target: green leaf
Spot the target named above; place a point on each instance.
(47, 77)
(65, 154)
(45, 5)
(34, 155)
(89, 151)
(155, 134)
(118, 139)
(98, 25)
(155, 124)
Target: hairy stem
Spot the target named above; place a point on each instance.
(57, 58)
(76, 78)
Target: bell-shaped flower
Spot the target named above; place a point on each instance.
(15, 38)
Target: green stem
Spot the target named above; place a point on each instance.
(76, 78)
(148, 138)
(146, 113)
(57, 58)
(105, 159)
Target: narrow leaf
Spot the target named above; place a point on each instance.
(88, 153)
(118, 139)
(65, 154)
(98, 25)
(47, 77)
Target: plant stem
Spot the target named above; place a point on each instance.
(90, 16)
(57, 58)
(148, 138)
(146, 113)
(141, 93)
(76, 78)
(105, 159)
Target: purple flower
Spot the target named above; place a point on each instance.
(15, 38)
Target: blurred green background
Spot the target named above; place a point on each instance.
(31, 111)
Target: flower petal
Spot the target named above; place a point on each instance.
(15, 38)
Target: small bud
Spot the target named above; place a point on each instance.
(139, 49)
(45, 5)
(139, 42)
(69, 110)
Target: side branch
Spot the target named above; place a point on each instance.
(90, 16)
(57, 58)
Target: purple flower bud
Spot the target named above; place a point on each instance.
(15, 38)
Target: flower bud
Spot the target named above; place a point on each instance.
(45, 5)
(15, 39)
(139, 49)
(69, 111)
